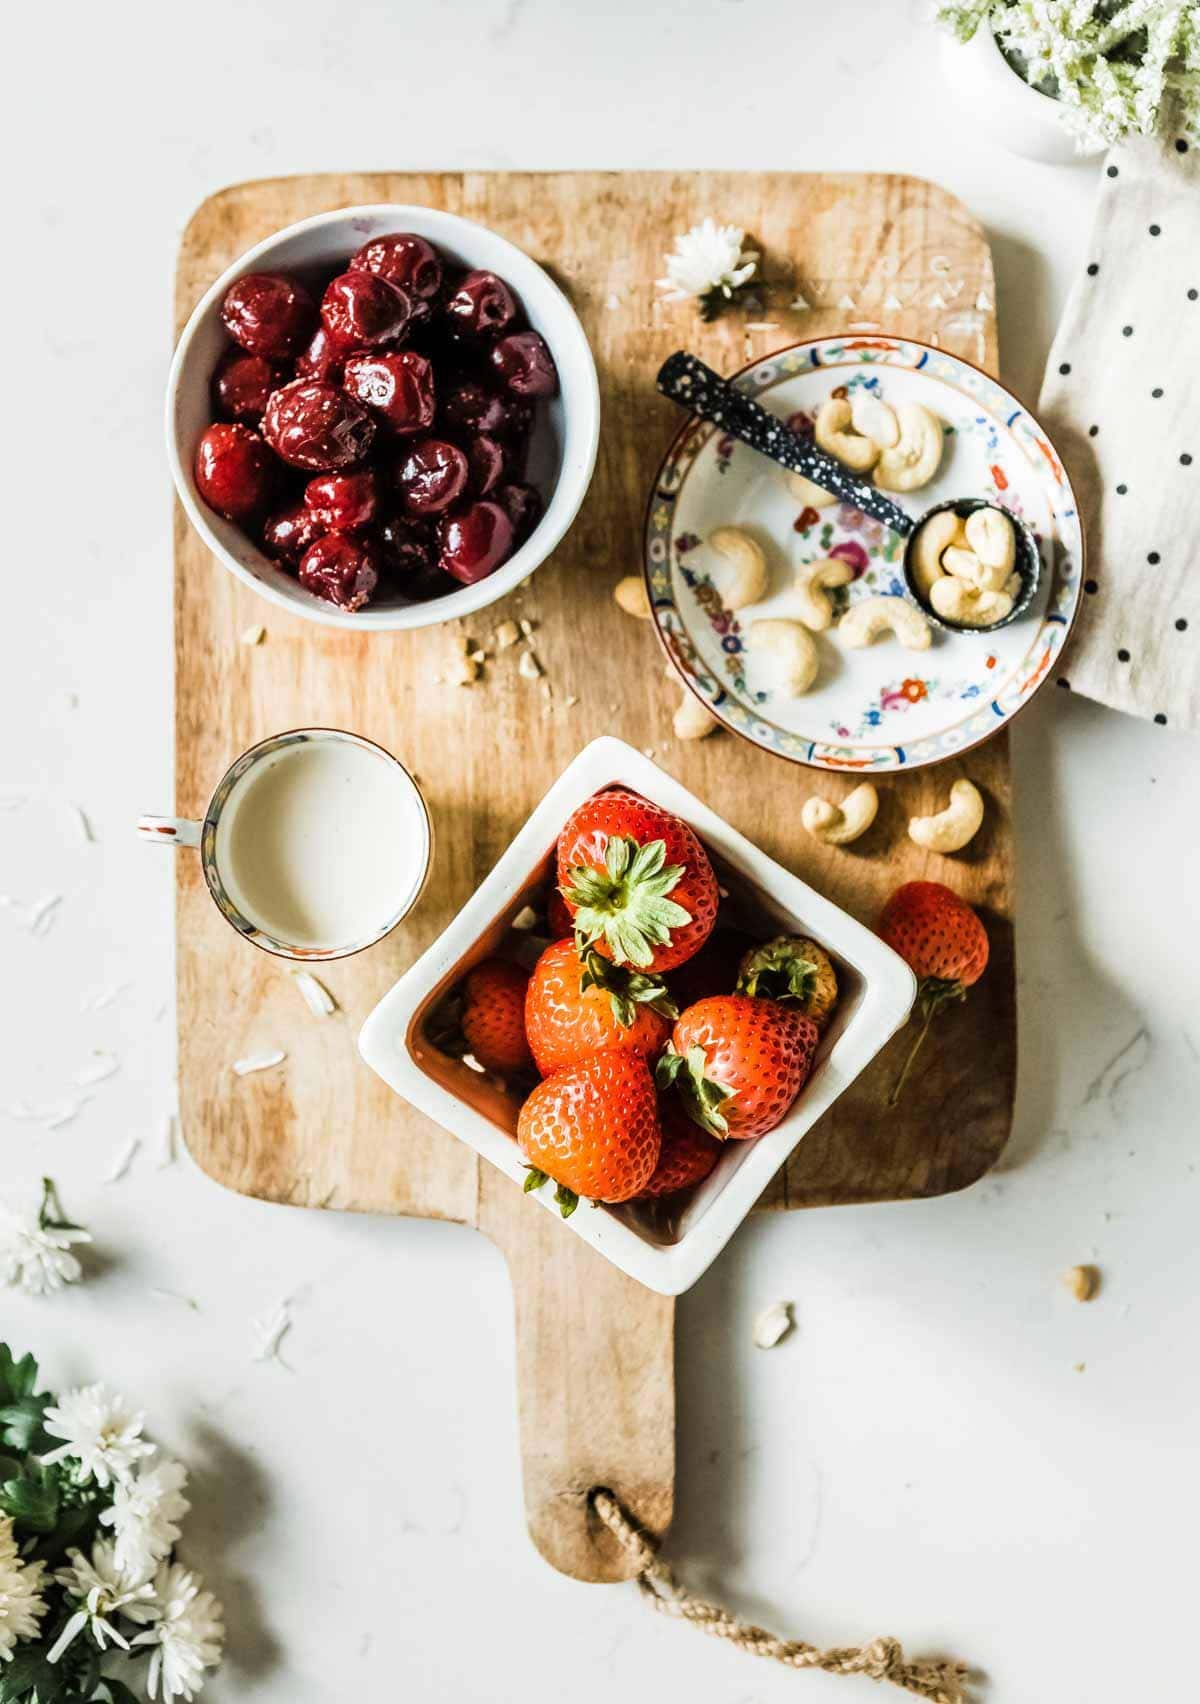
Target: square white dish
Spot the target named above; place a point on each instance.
(878, 993)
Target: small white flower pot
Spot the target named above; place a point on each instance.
(1000, 103)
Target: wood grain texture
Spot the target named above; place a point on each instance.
(594, 1350)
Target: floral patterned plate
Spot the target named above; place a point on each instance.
(882, 707)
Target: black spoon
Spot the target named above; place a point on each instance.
(686, 380)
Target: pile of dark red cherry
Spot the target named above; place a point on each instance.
(380, 439)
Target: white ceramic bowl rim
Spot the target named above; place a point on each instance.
(581, 435)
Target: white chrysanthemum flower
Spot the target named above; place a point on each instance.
(708, 260)
(144, 1514)
(36, 1257)
(101, 1432)
(100, 1590)
(21, 1603)
(186, 1636)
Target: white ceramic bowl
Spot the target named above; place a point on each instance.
(563, 451)
(878, 990)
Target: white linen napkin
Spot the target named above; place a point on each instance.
(1121, 400)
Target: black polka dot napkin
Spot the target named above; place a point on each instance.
(1121, 399)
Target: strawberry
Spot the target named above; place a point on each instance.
(593, 1128)
(739, 1063)
(559, 921)
(687, 1156)
(637, 881)
(493, 1016)
(795, 970)
(575, 1006)
(942, 940)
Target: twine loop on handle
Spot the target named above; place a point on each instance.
(883, 1659)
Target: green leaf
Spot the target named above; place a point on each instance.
(534, 1180)
(703, 1097)
(113, 1691)
(31, 1499)
(567, 1200)
(626, 989)
(779, 971)
(21, 1425)
(670, 1064)
(626, 903)
(17, 1378)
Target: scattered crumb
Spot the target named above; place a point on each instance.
(570, 703)
(506, 634)
(472, 1064)
(270, 1331)
(1079, 1367)
(41, 918)
(102, 997)
(259, 1062)
(124, 1160)
(612, 302)
(526, 918)
(772, 1325)
(85, 824)
(647, 751)
(613, 708)
(529, 667)
(316, 996)
(101, 1066)
(526, 627)
(463, 668)
(174, 1296)
(477, 657)
(1082, 1281)
(253, 635)
(170, 1129)
(762, 325)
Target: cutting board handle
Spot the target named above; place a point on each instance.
(595, 1385)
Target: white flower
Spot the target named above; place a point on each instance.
(187, 1634)
(36, 1256)
(101, 1432)
(21, 1602)
(708, 257)
(101, 1589)
(144, 1513)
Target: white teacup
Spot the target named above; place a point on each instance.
(314, 845)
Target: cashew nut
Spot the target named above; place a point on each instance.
(872, 417)
(968, 606)
(933, 537)
(833, 419)
(865, 620)
(806, 493)
(793, 646)
(839, 825)
(972, 570)
(916, 458)
(991, 536)
(816, 610)
(950, 829)
(746, 582)
(631, 596)
(692, 721)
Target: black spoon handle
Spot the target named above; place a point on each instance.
(687, 381)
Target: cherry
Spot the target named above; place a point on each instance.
(267, 314)
(474, 542)
(525, 364)
(470, 409)
(243, 383)
(523, 506)
(322, 359)
(360, 310)
(403, 259)
(233, 471)
(399, 387)
(311, 425)
(408, 551)
(486, 459)
(289, 532)
(339, 569)
(482, 305)
(431, 476)
(339, 502)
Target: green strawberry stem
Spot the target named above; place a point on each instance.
(625, 905)
(701, 1095)
(534, 1179)
(778, 971)
(566, 1198)
(932, 994)
(626, 989)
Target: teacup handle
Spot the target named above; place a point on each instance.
(169, 831)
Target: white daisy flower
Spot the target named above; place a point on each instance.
(35, 1252)
(101, 1590)
(144, 1514)
(711, 263)
(186, 1635)
(21, 1603)
(102, 1433)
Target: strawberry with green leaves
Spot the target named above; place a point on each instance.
(738, 1063)
(795, 970)
(943, 942)
(593, 1128)
(687, 1156)
(493, 1016)
(637, 882)
(580, 1004)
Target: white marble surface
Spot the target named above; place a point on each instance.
(921, 1457)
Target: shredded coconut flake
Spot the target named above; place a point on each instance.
(773, 1325)
(124, 1160)
(529, 667)
(317, 997)
(506, 634)
(253, 635)
(100, 1066)
(98, 999)
(472, 1064)
(526, 626)
(259, 1062)
(175, 1296)
(170, 1129)
(270, 1329)
(41, 917)
(85, 824)
(526, 918)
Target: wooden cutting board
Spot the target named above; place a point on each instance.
(594, 1350)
